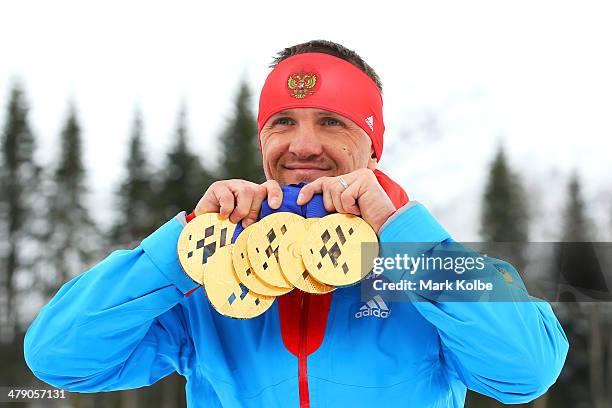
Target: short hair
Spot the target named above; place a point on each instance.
(331, 48)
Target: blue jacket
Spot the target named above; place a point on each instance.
(127, 322)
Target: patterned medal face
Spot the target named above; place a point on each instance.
(332, 251)
(290, 259)
(262, 246)
(227, 294)
(200, 242)
(244, 271)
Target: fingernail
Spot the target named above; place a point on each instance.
(274, 201)
(300, 198)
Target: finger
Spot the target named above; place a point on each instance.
(244, 197)
(309, 190)
(259, 195)
(225, 198)
(335, 191)
(349, 199)
(207, 204)
(328, 202)
(275, 193)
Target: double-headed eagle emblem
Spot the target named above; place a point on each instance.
(300, 85)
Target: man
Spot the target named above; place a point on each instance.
(136, 317)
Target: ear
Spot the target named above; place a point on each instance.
(372, 161)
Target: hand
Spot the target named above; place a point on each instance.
(239, 199)
(364, 196)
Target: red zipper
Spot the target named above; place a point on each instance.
(303, 330)
(303, 354)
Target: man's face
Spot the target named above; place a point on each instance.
(303, 144)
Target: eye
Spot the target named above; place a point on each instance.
(331, 122)
(284, 121)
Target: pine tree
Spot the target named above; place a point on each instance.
(576, 226)
(577, 263)
(239, 145)
(18, 196)
(73, 240)
(504, 216)
(183, 180)
(578, 270)
(135, 195)
(505, 213)
(135, 221)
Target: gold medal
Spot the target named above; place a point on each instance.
(290, 260)
(200, 242)
(244, 271)
(262, 246)
(227, 294)
(331, 249)
(310, 221)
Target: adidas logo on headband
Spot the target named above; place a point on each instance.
(370, 122)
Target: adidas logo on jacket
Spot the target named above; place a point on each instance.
(374, 307)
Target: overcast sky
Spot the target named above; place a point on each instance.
(459, 79)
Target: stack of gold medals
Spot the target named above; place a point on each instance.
(271, 257)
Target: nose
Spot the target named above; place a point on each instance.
(305, 143)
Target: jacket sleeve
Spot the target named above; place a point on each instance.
(120, 324)
(510, 350)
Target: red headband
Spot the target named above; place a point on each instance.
(318, 80)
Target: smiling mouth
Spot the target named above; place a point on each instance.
(305, 167)
(296, 173)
